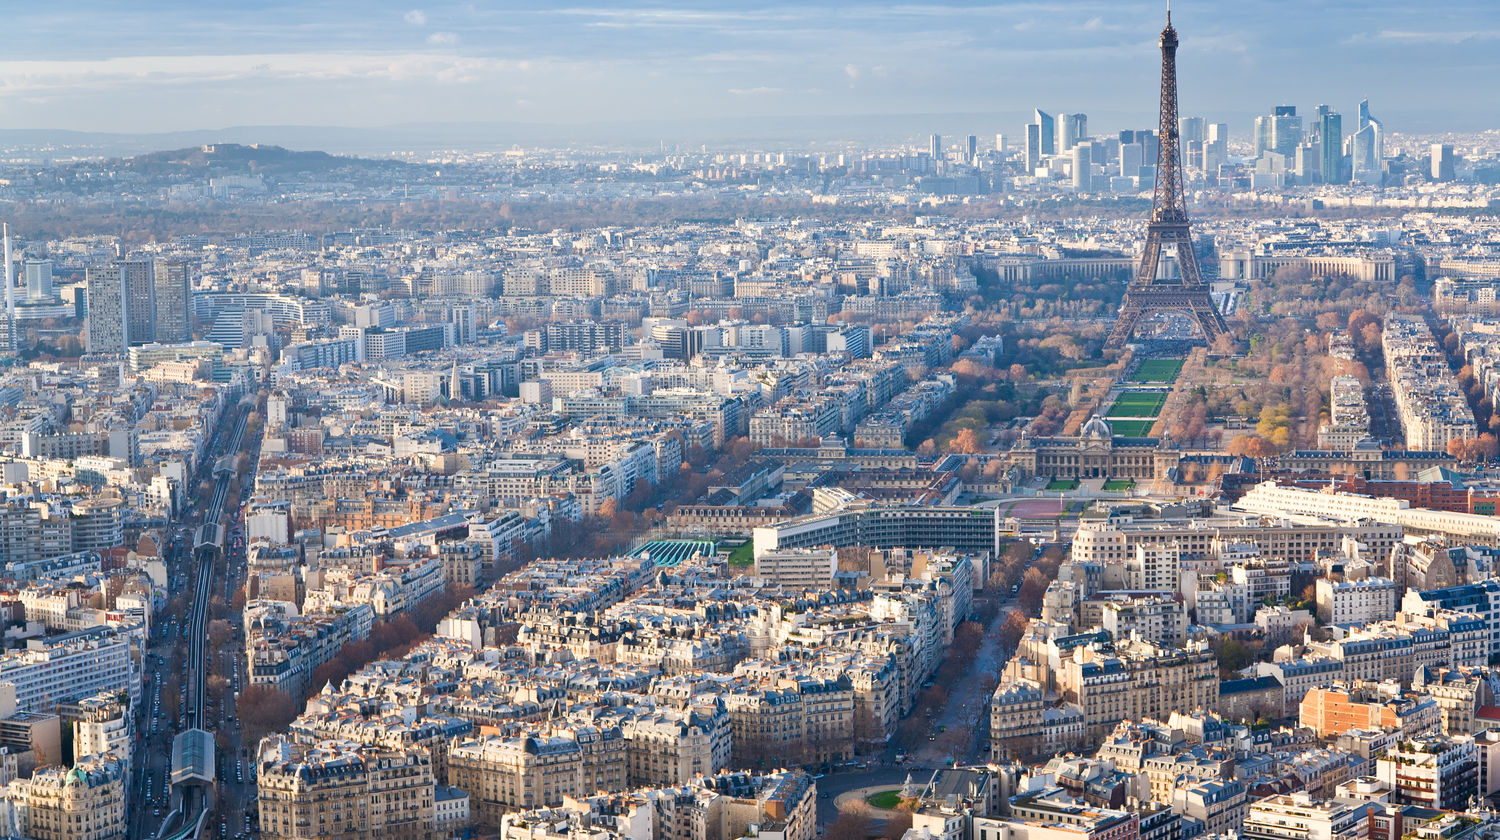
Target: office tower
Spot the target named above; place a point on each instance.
(1033, 148)
(1281, 132)
(174, 301)
(1331, 142)
(1047, 128)
(1150, 148)
(1315, 131)
(1192, 155)
(106, 309)
(1131, 159)
(140, 300)
(935, 146)
(1366, 164)
(971, 147)
(38, 279)
(1075, 128)
(1288, 128)
(1377, 146)
(1000, 143)
(1306, 163)
(1191, 130)
(1216, 147)
(1169, 239)
(1083, 166)
(1443, 162)
(10, 294)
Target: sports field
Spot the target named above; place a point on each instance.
(1158, 370)
(1138, 404)
(1131, 428)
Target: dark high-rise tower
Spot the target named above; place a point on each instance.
(1157, 287)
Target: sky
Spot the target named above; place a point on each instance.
(171, 65)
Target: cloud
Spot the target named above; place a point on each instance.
(415, 17)
(756, 91)
(35, 77)
(1454, 37)
(442, 39)
(853, 72)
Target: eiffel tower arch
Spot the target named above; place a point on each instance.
(1157, 288)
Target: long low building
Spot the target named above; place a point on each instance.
(1277, 500)
(1115, 540)
(965, 529)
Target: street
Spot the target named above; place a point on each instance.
(968, 707)
(179, 648)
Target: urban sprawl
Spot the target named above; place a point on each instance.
(958, 491)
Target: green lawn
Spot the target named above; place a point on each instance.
(1158, 370)
(886, 799)
(1119, 485)
(1132, 428)
(744, 555)
(1138, 404)
(1063, 484)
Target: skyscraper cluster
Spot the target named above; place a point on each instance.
(1063, 144)
(1287, 154)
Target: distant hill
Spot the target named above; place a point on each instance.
(259, 159)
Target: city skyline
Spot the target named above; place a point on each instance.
(168, 67)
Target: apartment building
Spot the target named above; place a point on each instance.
(1429, 402)
(1332, 711)
(1016, 713)
(799, 568)
(671, 747)
(1138, 680)
(84, 802)
(51, 671)
(1159, 619)
(282, 652)
(1432, 773)
(1349, 416)
(519, 773)
(801, 720)
(1356, 602)
(1298, 816)
(334, 789)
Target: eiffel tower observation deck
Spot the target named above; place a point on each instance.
(1168, 279)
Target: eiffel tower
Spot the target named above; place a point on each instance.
(1156, 287)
